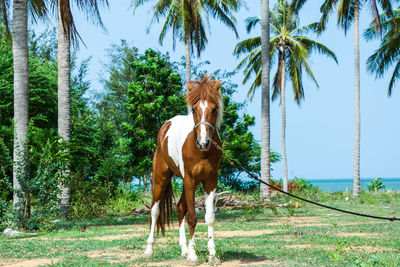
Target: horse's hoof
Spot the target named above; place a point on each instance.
(184, 254)
(212, 260)
(148, 253)
(192, 259)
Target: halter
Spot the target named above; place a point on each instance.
(206, 123)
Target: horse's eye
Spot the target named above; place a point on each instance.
(214, 110)
(193, 110)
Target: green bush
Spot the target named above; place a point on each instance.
(376, 185)
(88, 198)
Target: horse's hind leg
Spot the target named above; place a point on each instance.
(161, 179)
(182, 210)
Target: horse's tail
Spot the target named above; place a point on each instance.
(165, 216)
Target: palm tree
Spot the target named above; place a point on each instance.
(265, 193)
(67, 33)
(21, 83)
(187, 19)
(347, 13)
(291, 50)
(388, 52)
(21, 93)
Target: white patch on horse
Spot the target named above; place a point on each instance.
(210, 220)
(203, 131)
(177, 133)
(155, 211)
(182, 239)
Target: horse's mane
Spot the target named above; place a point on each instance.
(205, 90)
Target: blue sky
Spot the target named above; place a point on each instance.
(320, 132)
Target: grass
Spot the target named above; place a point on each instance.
(312, 236)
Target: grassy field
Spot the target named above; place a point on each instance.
(256, 236)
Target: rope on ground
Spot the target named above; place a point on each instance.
(234, 162)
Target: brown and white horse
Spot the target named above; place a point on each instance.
(185, 149)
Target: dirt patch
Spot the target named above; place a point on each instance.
(357, 234)
(113, 255)
(114, 237)
(28, 263)
(243, 233)
(136, 229)
(358, 223)
(304, 246)
(332, 247)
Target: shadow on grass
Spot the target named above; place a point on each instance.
(243, 256)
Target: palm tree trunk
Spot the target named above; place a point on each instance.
(187, 55)
(265, 109)
(283, 134)
(357, 120)
(64, 98)
(21, 95)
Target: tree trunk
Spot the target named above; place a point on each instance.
(145, 183)
(188, 63)
(265, 109)
(64, 98)
(21, 95)
(357, 120)
(283, 134)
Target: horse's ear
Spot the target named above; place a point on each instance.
(189, 86)
(217, 84)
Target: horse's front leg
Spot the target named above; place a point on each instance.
(190, 187)
(210, 221)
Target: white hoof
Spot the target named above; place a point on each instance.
(193, 259)
(184, 253)
(212, 260)
(148, 253)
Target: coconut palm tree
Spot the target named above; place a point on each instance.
(187, 19)
(388, 52)
(67, 33)
(265, 193)
(21, 82)
(348, 12)
(291, 50)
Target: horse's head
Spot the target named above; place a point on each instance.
(205, 104)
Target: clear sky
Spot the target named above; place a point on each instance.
(320, 132)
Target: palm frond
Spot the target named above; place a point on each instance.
(326, 9)
(252, 22)
(312, 45)
(395, 77)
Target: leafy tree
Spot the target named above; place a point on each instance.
(238, 140)
(187, 21)
(43, 111)
(291, 50)
(376, 185)
(154, 96)
(388, 53)
(348, 12)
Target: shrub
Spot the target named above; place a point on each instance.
(376, 185)
(301, 184)
(88, 198)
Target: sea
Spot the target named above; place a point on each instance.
(344, 184)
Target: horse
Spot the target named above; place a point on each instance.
(185, 149)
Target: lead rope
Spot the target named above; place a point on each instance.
(234, 162)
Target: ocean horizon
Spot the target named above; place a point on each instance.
(346, 184)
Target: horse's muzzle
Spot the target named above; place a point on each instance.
(203, 146)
